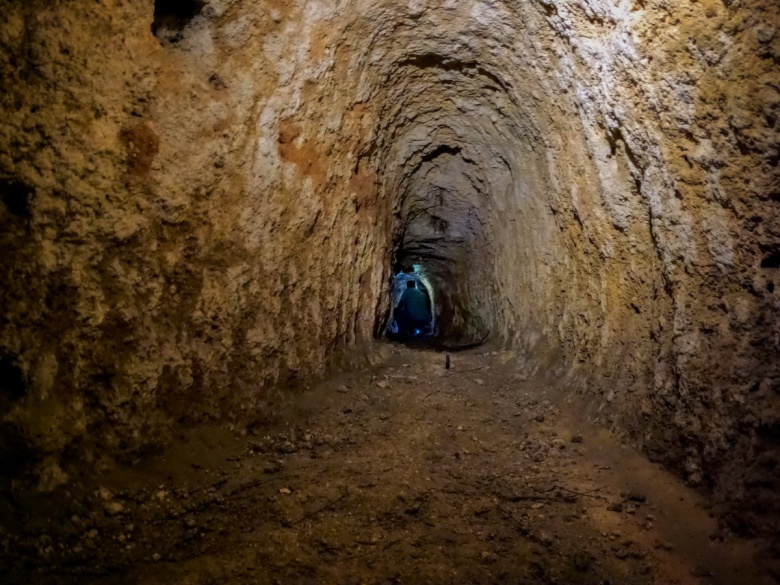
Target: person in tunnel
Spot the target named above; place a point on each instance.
(413, 312)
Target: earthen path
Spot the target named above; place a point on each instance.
(407, 474)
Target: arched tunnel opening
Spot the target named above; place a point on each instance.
(440, 230)
(442, 227)
(563, 215)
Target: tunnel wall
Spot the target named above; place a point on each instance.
(194, 220)
(186, 246)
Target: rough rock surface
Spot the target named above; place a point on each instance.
(194, 218)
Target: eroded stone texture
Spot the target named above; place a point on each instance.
(193, 219)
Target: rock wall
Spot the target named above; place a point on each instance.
(178, 245)
(198, 217)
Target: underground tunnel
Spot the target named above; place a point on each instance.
(212, 368)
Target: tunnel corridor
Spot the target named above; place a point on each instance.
(212, 368)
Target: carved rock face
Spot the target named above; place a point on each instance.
(212, 212)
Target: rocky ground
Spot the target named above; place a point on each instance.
(410, 473)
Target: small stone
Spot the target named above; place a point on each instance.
(622, 553)
(577, 439)
(156, 557)
(539, 418)
(285, 491)
(636, 497)
(488, 557)
(765, 34)
(272, 467)
(114, 508)
(382, 384)
(617, 507)
(287, 447)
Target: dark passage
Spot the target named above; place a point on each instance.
(441, 227)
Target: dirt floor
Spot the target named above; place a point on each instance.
(410, 473)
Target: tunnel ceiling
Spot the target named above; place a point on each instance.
(208, 210)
